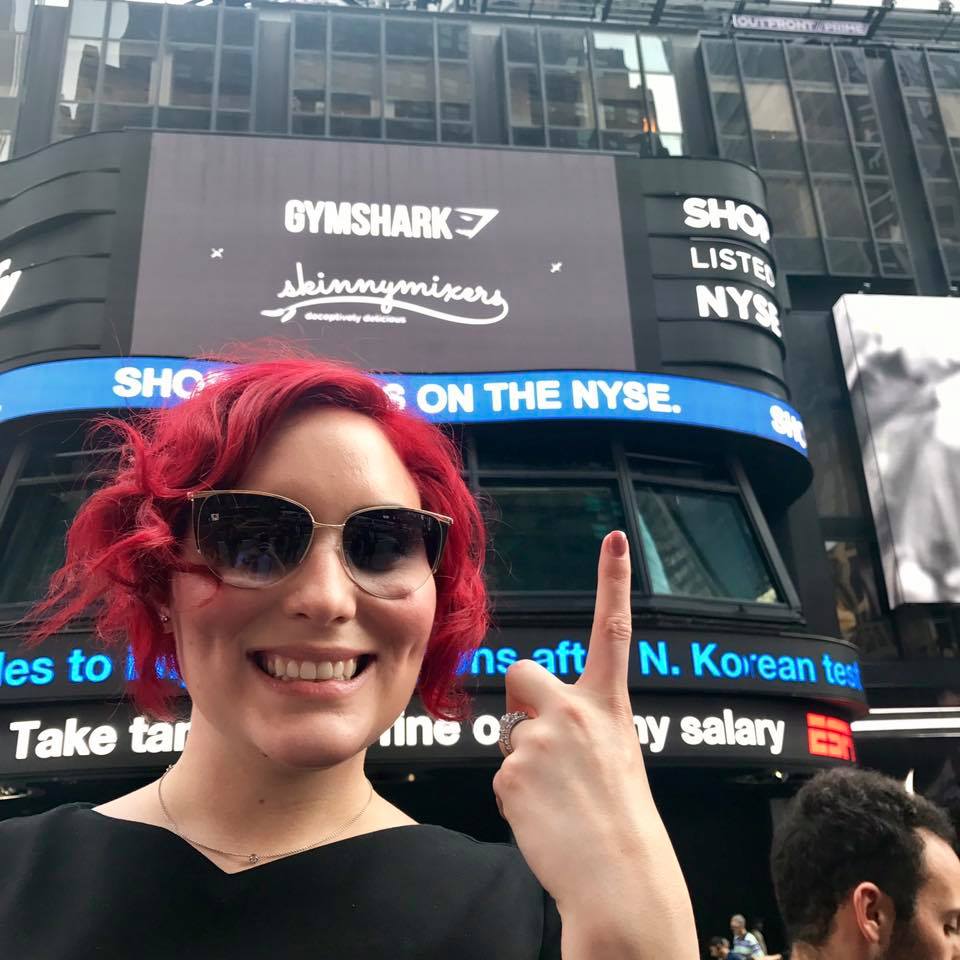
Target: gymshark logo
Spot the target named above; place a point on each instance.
(8, 282)
(385, 219)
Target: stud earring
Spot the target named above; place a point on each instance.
(164, 618)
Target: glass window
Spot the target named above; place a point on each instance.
(112, 117)
(655, 52)
(721, 58)
(863, 118)
(521, 45)
(411, 100)
(356, 34)
(309, 82)
(453, 41)
(872, 160)
(924, 123)
(950, 112)
(135, 21)
(526, 104)
(12, 48)
(80, 68)
(945, 205)
(530, 550)
(698, 543)
(236, 79)
(621, 100)
(615, 51)
(188, 77)
(564, 48)
(852, 66)
(176, 119)
(232, 120)
(192, 24)
(791, 206)
(822, 115)
(731, 114)
(239, 26)
(87, 18)
(770, 107)
(859, 610)
(945, 69)
(762, 61)
(569, 103)
(662, 90)
(883, 210)
(410, 38)
(308, 126)
(841, 208)
(355, 105)
(810, 64)
(456, 92)
(44, 503)
(310, 31)
(911, 69)
(130, 73)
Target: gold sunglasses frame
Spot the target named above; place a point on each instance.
(198, 496)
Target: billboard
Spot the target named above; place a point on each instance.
(55, 740)
(75, 667)
(394, 258)
(901, 358)
(100, 383)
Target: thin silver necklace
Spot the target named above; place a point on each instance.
(253, 858)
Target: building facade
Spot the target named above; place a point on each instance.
(602, 243)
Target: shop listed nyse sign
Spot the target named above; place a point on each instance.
(137, 382)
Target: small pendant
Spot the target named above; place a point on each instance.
(253, 858)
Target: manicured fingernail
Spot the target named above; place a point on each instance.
(618, 543)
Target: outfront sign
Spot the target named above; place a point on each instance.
(70, 667)
(104, 383)
(392, 257)
(38, 741)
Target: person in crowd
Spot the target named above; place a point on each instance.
(744, 943)
(757, 932)
(306, 555)
(719, 948)
(864, 870)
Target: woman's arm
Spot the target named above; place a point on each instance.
(576, 795)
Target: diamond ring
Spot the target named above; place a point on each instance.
(507, 722)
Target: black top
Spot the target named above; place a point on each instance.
(78, 885)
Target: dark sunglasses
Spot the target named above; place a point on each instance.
(252, 539)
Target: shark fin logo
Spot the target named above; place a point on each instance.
(474, 220)
(8, 282)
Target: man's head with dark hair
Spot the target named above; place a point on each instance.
(719, 947)
(863, 869)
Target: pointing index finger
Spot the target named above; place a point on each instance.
(609, 655)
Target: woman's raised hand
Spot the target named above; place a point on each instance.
(575, 793)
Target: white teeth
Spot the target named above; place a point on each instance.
(285, 669)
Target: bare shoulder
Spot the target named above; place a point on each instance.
(139, 805)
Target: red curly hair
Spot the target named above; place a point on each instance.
(125, 541)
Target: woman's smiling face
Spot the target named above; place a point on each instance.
(334, 462)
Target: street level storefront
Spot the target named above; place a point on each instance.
(604, 337)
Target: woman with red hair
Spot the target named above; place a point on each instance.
(307, 556)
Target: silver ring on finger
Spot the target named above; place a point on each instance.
(507, 722)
